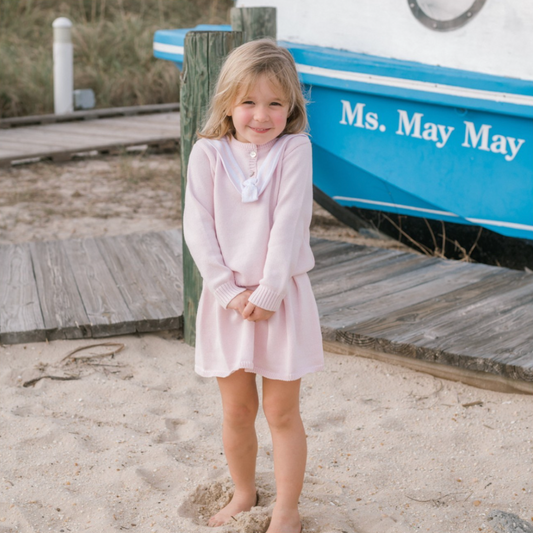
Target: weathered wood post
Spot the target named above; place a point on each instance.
(255, 22)
(204, 53)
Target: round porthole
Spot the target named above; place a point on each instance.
(445, 15)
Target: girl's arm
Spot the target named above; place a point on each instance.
(199, 227)
(288, 252)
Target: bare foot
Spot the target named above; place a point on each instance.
(285, 521)
(238, 504)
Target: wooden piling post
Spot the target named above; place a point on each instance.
(255, 22)
(203, 56)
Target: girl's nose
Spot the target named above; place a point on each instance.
(260, 114)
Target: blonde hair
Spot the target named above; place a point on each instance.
(242, 68)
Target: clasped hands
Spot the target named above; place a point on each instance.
(247, 309)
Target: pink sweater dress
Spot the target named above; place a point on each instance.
(246, 222)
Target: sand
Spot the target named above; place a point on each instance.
(131, 441)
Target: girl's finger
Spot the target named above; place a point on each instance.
(248, 310)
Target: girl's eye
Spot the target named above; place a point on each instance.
(248, 102)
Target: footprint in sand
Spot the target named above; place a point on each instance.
(392, 423)
(178, 430)
(34, 409)
(161, 480)
(327, 419)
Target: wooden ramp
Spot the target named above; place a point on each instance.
(61, 138)
(467, 317)
(96, 287)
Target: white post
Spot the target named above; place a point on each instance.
(63, 66)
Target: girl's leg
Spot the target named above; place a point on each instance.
(239, 405)
(281, 404)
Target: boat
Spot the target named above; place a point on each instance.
(421, 116)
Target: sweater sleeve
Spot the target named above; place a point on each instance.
(288, 246)
(199, 227)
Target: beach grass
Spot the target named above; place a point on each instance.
(112, 49)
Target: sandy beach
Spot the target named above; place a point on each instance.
(124, 436)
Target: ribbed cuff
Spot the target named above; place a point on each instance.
(266, 298)
(225, 293)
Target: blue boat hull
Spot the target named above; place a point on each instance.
(417, 140)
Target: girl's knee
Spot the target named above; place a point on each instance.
(281, 416)
(240, 415)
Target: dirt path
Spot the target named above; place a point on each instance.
(109, 196)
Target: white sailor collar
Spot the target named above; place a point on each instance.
(250, 188)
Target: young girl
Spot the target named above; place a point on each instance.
(248, 207)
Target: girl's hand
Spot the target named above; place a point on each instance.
(239, 302)
(255, 314)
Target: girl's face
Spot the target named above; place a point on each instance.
(260, 114)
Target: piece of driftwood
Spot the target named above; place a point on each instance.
(115, 347)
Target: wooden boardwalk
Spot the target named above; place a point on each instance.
(96, 287)
(470, 317)
(61, 138)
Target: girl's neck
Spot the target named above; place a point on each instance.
(246, 145)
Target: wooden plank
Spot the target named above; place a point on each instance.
(90, 114)
(10, 149)
(68, 138)
(96, 132)
(325, 257)
(493, 328)
(166, 123)
(387, 272)
(323, 248)
(482, 380)
(174, 240)
(254, 22)
(338, 280)
(454, 346)
(21, 319)
(419, 320)
(65, 154)
(106, 309)
(139, 285)
(378, 298)
(39, 137)
(165, 263)
(522, 350)
(507, 340)
(485, 312)
(34, 144)
(63, 311)
(353, 258)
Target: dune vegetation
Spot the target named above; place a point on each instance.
(112, 49)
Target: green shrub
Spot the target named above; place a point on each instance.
(112, 49)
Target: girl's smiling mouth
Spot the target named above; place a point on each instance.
(260, 130)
